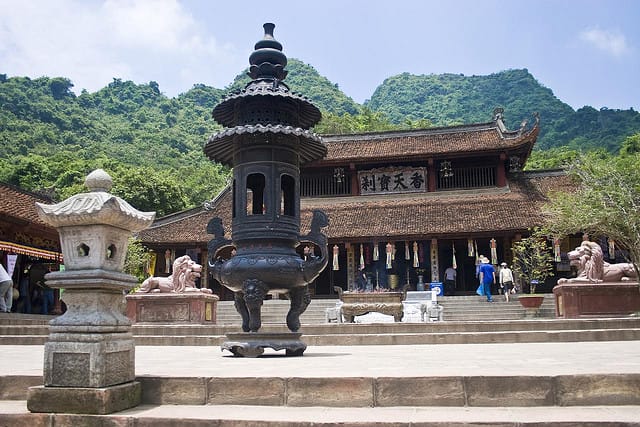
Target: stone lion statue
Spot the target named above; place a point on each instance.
(183, 278)
(592, 268)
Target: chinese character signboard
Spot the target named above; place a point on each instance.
(393, 180)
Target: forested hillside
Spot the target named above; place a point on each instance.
(449, 99)
(50, 138)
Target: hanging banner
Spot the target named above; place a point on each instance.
(612, 249)
(389, 253)
(336, 252)
(416, 260)
(407, 252)
(11, 263)
(361, 256)
(475, 249)
(376, 253)
(556, 249)
(434, 261)
(470, 244)
(494, 252)
(454, 263)
(393, 180)
(151, 264)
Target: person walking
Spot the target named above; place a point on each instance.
(450, 281)
(487, 277)
(6, 291)
(506, 280)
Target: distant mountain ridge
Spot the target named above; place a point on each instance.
(447, 99)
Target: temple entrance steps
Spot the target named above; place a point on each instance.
(388, 333)
(506, 385)
(456, 308)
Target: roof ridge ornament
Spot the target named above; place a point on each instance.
(267, 60)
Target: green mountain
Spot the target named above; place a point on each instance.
(50, 138)
(449, 99)
(304, 79)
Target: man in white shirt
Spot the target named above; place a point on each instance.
(6, 291)
(450, 281)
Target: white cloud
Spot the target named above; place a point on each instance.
(611, 42)
(93, 42)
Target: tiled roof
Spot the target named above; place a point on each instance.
(365, 218)
(455, 140)
(20, 204)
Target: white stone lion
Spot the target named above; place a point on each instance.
(592, 268)
(183, 278)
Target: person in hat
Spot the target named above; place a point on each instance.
(506, 280)
(487, 277)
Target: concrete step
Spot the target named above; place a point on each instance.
(300, 389)
(515, 385)
(15, 413)
(448, 332)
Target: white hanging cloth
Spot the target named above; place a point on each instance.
(389, 252)
(494, 252)
(336, 252)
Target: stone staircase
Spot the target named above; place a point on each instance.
(355, 375)
(466, 320)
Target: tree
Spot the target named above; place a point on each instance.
(631, 145)
(135, 262)
(606, 204)
(532, 259)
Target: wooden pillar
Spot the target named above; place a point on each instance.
(355, 184)
(432, 176)
(501, 174)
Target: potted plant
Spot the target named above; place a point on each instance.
(533, 263)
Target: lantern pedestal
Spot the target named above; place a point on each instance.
(253, 344)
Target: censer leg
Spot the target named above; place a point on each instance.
(241, 308)
(254, 293)
(300, 299)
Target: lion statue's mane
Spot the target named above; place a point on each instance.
(182, 279)
(592, 268)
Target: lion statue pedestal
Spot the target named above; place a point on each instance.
(174, 299)
(600, 289)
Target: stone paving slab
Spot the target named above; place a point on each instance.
(15, 413)
(531, 359)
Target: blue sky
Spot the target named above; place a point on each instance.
(586, 51)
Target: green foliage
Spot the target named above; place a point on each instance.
(152, 145)
(607, 203)
(631, 145)
(136, 260)
(532, 259)
(553, 158)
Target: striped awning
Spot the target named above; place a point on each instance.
(28, 250)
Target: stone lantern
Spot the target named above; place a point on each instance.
(89, 356)
(266, 139)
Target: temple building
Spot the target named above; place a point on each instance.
(29, 248)
(403, 205)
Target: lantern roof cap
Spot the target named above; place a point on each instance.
(96, 207)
